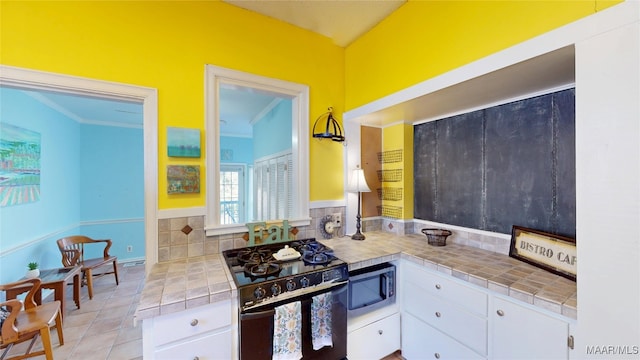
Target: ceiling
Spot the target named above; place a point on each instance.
(341, 20)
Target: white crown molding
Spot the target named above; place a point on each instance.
(266, 110)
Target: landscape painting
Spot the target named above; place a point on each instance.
(182, 142)
(19, 165)
(182, 179)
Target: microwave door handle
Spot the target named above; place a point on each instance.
(384, 281)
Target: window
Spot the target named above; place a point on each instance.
(273, 196)
(231, 194)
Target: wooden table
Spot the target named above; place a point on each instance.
(56, 280)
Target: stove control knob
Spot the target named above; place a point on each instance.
(304, 282)
(259, 293)
(291, 285)
(276, 289)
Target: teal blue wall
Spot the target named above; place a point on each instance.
(91, 183)
(241, 147)
(272, 134)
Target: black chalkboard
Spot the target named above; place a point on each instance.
(490, 169)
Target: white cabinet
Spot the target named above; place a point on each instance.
(446, 318)
(421, 341)
(441, 317)
(201, 333)
(375, 340)
(521, 332)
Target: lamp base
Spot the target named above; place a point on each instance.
(357, 236)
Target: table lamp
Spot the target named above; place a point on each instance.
(357, 183)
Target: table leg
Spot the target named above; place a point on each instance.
(76, 290)
(59, 295)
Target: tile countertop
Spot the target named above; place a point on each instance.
(178, 285)
(182, 284)
(499, 273)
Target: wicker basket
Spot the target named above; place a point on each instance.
(436, 237)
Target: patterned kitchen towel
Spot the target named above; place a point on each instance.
(287, 332)
(321, 321)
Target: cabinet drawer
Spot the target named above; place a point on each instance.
(376, 340)
(421, 342)
(470, 299)
(467, 328)
(211, 347)
(180, 325)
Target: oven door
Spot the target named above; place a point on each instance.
(256, 329)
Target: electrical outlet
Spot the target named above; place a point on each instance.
(337, 219)
(129, 248)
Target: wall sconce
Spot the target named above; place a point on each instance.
(331, 124)
(357, 183)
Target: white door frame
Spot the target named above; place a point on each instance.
(40, 80)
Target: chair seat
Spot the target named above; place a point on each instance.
(94, 263)
(32, 320)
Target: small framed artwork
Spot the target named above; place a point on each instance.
(553, 253)
(183, 142)
(183, 179)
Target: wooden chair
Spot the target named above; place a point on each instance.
(29, 324)
(72, 249)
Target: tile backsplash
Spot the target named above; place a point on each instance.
(184, 237)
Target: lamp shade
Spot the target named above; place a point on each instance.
(357, 182)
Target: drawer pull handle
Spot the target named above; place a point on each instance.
(500, 313)
(437, 355)
(438, 286)
(194, 322)
(438, 314)
(380, 332)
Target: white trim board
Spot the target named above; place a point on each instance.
(216, 76)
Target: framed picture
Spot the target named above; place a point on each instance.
(182, 142)
(553, 253)
(183, 179)
(19, 165)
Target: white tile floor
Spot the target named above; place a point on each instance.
(103, 327)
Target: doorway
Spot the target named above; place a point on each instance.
(43, 81)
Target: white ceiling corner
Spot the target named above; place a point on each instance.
(341, 20)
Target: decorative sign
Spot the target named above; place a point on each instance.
(266, 233)
(553, 253)
(19, 165)
(183, 179)
(182, 142)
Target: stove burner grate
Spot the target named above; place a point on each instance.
(254, 256)
(261, 269)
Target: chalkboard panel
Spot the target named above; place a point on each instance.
(564, 105)
(512, 164)
(518, 165)
(459, 169)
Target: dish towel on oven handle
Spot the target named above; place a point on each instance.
(287, 332)
(321, 335)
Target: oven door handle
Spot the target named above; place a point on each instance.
(257, 314)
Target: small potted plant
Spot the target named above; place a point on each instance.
(33, 270)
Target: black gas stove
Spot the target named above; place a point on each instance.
(262, 279)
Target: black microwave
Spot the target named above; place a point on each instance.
(372, 287)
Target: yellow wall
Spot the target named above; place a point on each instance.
(423, 39)
(397, 137)
(165, 45)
